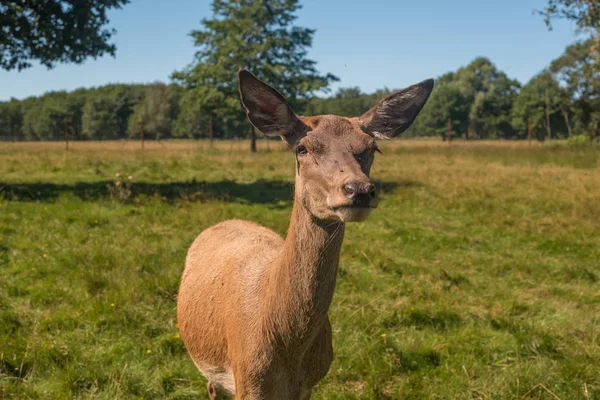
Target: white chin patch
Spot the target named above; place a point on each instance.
(353, 214)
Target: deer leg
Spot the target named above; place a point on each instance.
(213, 394)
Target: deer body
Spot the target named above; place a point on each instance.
(252, 307)
(268, 319)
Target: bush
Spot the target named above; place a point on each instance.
(578, 141)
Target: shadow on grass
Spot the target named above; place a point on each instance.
(273, 192)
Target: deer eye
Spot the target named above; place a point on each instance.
(301, 150)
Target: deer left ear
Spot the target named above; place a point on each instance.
(395, 113)
(267, 110)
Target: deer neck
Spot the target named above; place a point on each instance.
(305, 276)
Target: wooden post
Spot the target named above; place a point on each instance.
(142, 133)
(529, 131)
(67, 134)
(210, 132)
(449, 130)
(252, 140)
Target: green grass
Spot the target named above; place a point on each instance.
(477, 278)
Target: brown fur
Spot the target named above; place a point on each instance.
(252, 307)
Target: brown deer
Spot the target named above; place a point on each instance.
(252, 307)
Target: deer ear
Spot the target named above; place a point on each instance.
(395, 113)
(267, 110)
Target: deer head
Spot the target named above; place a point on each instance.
(334, 154)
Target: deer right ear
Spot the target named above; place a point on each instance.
(267, 110)
(395, 113)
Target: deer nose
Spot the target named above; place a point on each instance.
(360, 192)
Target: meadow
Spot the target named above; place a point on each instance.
(478, 277)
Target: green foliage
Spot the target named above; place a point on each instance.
(260, 36)
(532, 104)
(477, 99)
(349, 102)
(579, 67)
(193, 118)
(54, 31)
(582, 140)
(11, 120)
(579, 141)
(44, 118)
(447, 102)
(100, 118)
(585, 13)
(158, 110)
(578, 70)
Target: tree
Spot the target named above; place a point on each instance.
(54, 31)
(194, 114)
(11, 120)
(586, 13)
(490, 94)
(100, 119)
(259, 35)
(108, 109)
(158, 111)
(477, 99)
(349, 102)
(95, 113)
(447, 102)
(578, 72)
(494, 118)
(539, 101)
(44, 117)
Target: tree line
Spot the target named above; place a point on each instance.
(477, 101)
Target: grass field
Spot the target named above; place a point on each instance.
(478, 277)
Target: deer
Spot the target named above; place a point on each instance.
(252, 307)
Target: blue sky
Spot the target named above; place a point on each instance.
(370, 44)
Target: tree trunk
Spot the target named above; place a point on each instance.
(566, 116)
(548, 128)
(253, 140)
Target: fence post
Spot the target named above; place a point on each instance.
(142, 133)
(252, 140)
(66, 134)
(210, 132)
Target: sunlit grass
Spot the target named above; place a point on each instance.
(477, 277)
